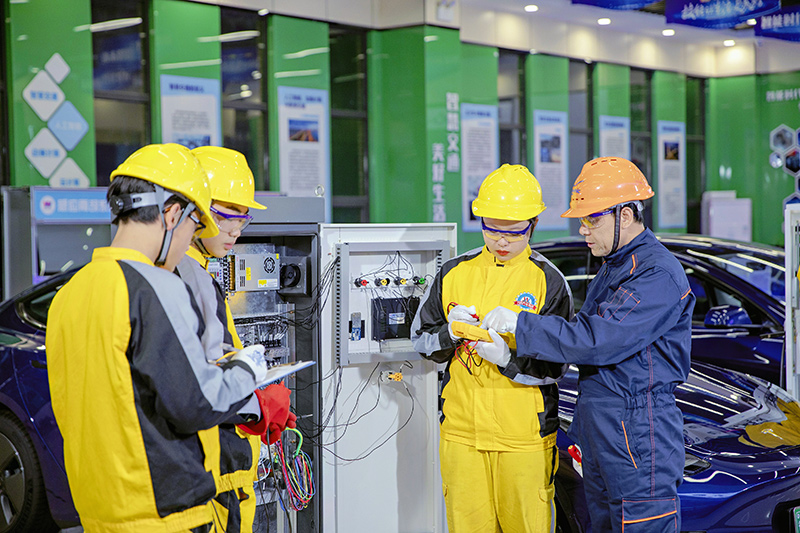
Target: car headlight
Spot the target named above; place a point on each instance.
(694, 465)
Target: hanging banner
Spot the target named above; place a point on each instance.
(783, 24)
(615, 4)
(480, 148)
(717, 13)
(190, 111)
(550, 166)
(304, 140)
(671, 174)
(615, 136)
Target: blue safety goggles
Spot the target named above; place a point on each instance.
(228, 222)
(510, 236)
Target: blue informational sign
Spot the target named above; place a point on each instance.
(783, 24)
(615, 4)
(717, 13)
(70, 205)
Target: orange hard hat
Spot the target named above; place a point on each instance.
(605, 182)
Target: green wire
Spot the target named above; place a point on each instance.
(300, 445)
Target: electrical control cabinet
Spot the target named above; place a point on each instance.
(382, 398)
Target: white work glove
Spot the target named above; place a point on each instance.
(496, 352)
(501, 319)
(253, 357)
(460, 313)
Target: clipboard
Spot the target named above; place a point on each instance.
(278, 372)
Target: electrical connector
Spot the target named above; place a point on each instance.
(416, 280)
(382, 282)
(400, 281)
(387, 375)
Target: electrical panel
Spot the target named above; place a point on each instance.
(377, 289)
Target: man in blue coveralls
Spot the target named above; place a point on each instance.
(631, 341)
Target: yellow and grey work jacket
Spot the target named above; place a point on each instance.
(493, 409)
(131, 389)
(239, 451)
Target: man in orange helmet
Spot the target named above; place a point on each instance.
(498, 433)
(631, 341)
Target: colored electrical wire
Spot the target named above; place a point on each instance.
(297, 474)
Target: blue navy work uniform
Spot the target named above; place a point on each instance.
(631, 342)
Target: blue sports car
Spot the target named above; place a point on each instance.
(742, 432)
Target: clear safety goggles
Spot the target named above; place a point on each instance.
(595, 220)
(229, 223)
(510, 236)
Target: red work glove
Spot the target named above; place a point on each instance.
(275, 414)
(275, 430)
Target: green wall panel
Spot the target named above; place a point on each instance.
(176, 47)
(668, 103)
(398, 151)
(298, 56)
(35, 31)
(776, 95)
(479, 86)
(731, 140)
(547, 88)
(611, 95)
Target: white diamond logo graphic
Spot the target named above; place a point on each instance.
(45, 152)
(69, 174)
(57, 67)
(43, 95)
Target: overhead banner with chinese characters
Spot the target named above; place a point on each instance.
(190, 111)
(717, 13)
(615, 136)
(479, 155)
(550, 166)
(783, 24)
(671, 174)
(614, 4)
(304, 143)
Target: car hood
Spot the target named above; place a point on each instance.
(737, 416)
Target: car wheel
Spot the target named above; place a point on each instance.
(23, 500)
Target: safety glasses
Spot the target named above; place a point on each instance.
(595, 220)
(228, 223)
(198, 226)
(510, 236)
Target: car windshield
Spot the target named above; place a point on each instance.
(762, 268)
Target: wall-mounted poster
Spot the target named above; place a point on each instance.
(190, 111)
(304, 137)
(615, 136)
(479, 155)
(550, 141)
(671, 174)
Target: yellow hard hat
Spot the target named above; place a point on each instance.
(230, 178)
(174, 168)
(509, 193)
(605, 182)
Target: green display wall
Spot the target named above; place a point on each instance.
(547, 88)
(743, 116)
(611, 93)
(177, 47)
(668, 102)
(297, 57)
(478, 86)
(48, 65)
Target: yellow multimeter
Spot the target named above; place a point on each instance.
(477, 333)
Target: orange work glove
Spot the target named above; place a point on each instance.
(275, 415)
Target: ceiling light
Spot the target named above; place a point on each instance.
(531, 8)
(729, 42)
(533, 50)
(604, 21)
(752, 22)
(263, 12)
(669, 32)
